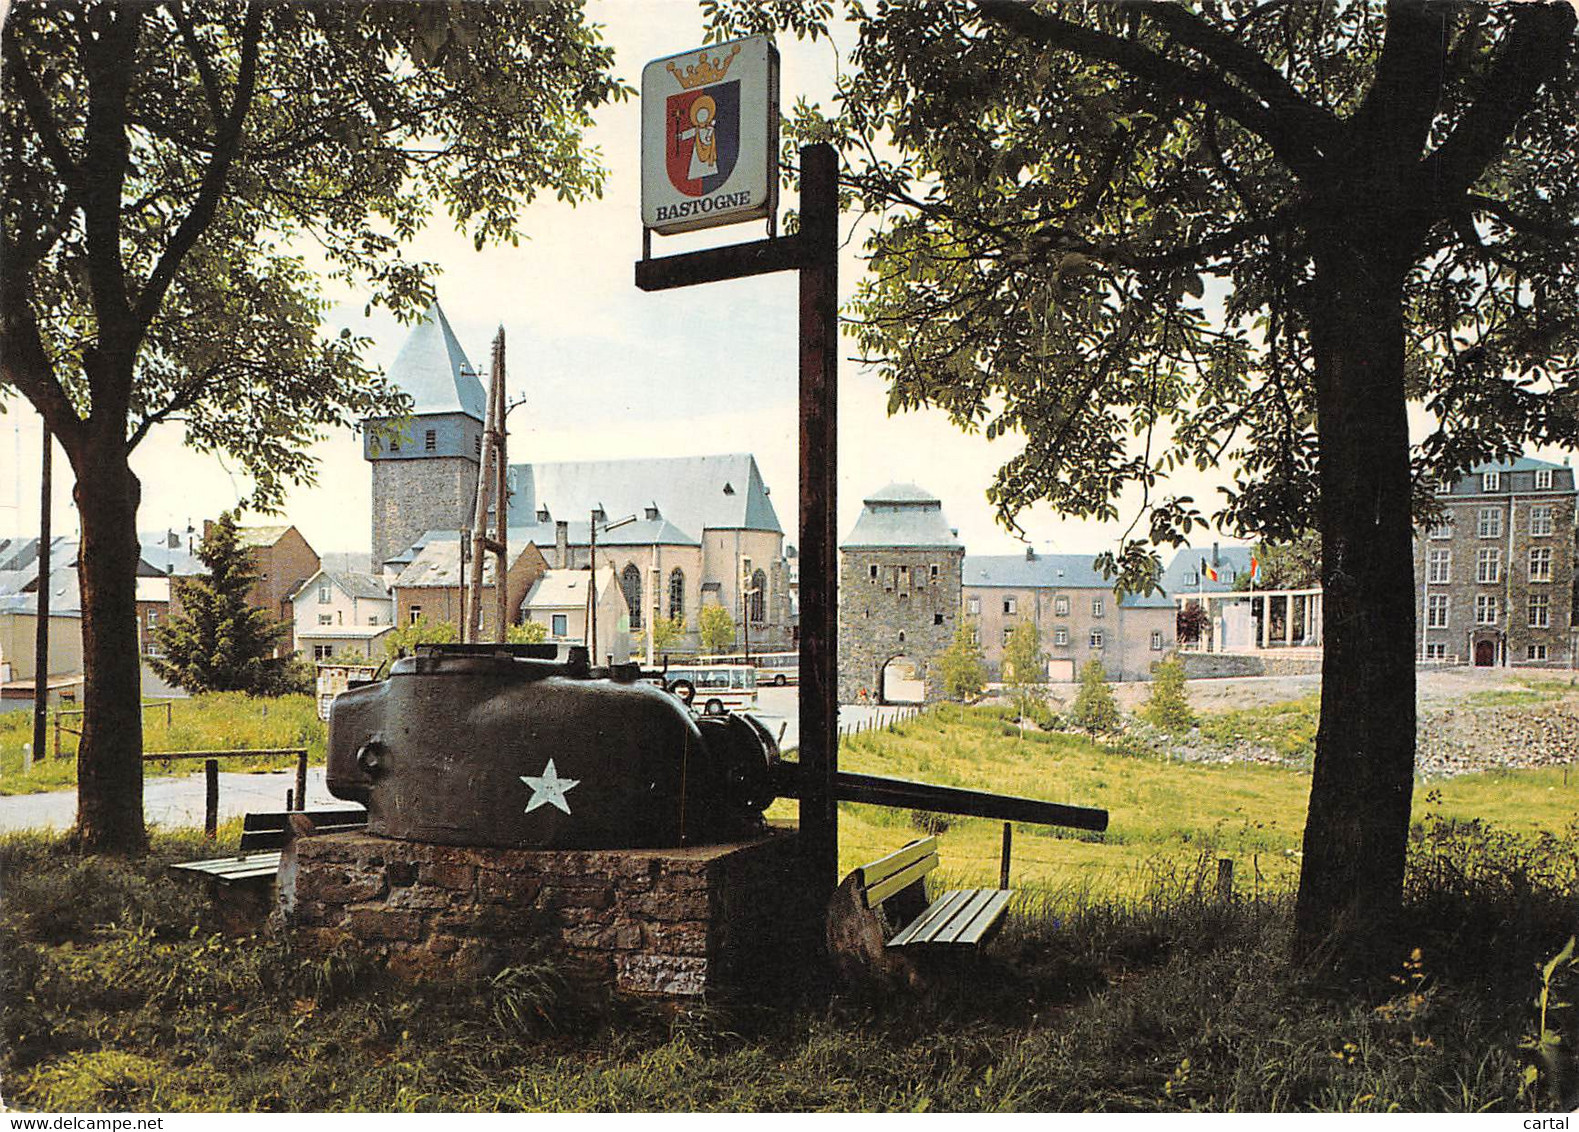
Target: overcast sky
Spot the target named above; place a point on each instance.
(607, 370)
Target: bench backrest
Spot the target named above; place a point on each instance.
(899, 870)
(272, 830)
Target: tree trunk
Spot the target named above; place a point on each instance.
(109, 762)
(1356, 833)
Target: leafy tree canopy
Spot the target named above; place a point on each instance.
(1094, 228)
(1095, 708)
(178, 178)
(962, 665)
(1291, 565)
(404, 640)
(716, 628)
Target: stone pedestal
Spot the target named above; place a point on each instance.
(676, 922)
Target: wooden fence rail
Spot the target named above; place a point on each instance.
(294, 800)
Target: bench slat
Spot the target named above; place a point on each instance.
(939, 912)
(276, 838)
(229, 870)
(903, 879)
(280, 819)
(885, 867)
(985, 920)
(977, 908)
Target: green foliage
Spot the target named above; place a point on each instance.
(1095, 709)
(1025, 668)
(1294, 564)
(1287, 728)
(219, 642)
(1166, 1000)
(664, 631)
(212, 721)
(526, 633)
(1168, 705)
(716, 628)
(404, 640)
(964, 671)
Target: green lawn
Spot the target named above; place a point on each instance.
(1157, 807)
(218, 721)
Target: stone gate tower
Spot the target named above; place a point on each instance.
(899, 591)
(425, 472)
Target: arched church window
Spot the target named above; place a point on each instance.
(630, 582)
(759, 593)
(677, 593)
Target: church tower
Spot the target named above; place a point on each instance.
(425, 467)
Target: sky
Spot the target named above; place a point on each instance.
(609, 371)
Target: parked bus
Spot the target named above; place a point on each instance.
(717, 688)
(777, 668)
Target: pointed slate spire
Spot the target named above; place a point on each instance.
(433, 369)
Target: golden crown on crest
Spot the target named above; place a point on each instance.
(705, 71)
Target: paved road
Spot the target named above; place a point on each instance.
(174, 802)
(171, 802)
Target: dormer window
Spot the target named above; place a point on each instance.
(652, 513)
(1491, 481)
(542, 515)
(1543, 479)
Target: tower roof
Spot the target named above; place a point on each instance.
(434, 371)
(902, 515)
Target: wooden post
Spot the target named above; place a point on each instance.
(169, 714)
(57, 735)
(1003, 860)
(819, 549)
(814, 252)
(290, 799)
(301, 779)
(1225, 879)
(210, 798)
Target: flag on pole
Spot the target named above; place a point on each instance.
(1208, 571)
(1255, 567)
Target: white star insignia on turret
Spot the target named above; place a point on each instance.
(548, 789)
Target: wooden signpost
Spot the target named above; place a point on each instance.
(813, 252)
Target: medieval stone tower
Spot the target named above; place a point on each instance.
(899, 593)
(425, 472)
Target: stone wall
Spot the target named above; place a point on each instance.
(643, 921)
(413, 496)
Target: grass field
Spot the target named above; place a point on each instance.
(1157, 807)
(218, 721)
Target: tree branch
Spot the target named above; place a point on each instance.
(184, 398)
(1529, 225)
(200, 60)
(1163, 73)
(227, 143)
(1395, 116)
(1531, 54)
(37, 107)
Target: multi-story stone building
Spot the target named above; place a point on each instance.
(1495, 578)
(899, 594)
(1074, 607)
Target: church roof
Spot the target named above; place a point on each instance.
(434, 372)
(690, 493)
(901, 515)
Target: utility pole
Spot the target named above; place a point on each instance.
(490, 488)
(41, 644)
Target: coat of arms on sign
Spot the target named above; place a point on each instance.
(702, 125)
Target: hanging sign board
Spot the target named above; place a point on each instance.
(710, 136)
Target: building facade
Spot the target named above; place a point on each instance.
(1077, 615)
(899, 595)
(425, 465)
(342, 611)
(1495, 578)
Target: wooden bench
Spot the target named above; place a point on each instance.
(263, 837)
(961, 917)
(881, 913)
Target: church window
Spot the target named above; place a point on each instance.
(872, 571)
(630, 583)
(759, 591)
(937, 619)
(676, 593)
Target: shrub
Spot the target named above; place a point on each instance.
(1168, 706)
(1094, 708)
